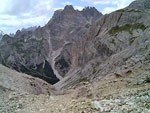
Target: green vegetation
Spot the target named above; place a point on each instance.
(94, 71)
(113, 41)
(144, 48)
(131, 40)
(3, 60)
(128, 27)
(147, 106)
(147, 79)
(84, 80)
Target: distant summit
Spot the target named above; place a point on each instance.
(11, 34)
(89, 12)
(1, 34)
(29, 28)
(68, 7)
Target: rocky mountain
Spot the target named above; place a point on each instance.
(106, 69)
(48, 52)
(116, 42)
(1, 34)
(11, 34)
(29, 29)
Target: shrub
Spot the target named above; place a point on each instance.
(127, 27)
(147, 79)
(131, 40)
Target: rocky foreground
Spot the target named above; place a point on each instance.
(127, 91)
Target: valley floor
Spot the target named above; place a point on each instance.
(121, 93)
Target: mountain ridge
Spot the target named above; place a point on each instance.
(32, 52)
(113, 42)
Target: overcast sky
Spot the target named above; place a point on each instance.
(18, 14)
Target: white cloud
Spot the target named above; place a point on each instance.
(117, 4)
(14, 23)
(66, 3)
(75, 7)
(4, 4)
(58, 8)
(101, 2)
(16, 14)
(123, 3)
(18, 7)
(78, 8)
(108, 10)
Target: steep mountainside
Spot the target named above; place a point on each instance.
(14, 84)
(117, 41)
(20, 83)
(48, 52)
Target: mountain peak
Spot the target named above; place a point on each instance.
(89, 8)
(89, 12)
(69, 10)
(140, 4)
(68, 7)
(29, 28)
(1, 32)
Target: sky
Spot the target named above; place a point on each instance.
(18, 14)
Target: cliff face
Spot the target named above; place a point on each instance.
(117, 41)
(46, 52)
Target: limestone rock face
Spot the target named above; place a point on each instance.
(116, 41)
(90, 13)
(46, 52)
